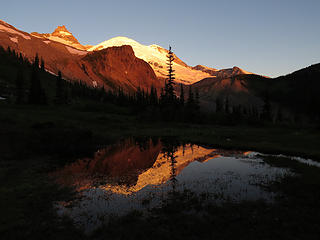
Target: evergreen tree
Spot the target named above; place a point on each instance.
(227, 111)
(21, 59)
(168, 99)
(169, 86)
(266, 109)
(181, 95)
(36, 93)
(42, 65)
(35, 87)
(218, 105)
(36, 62)
(153, 96)
(190, 106)
(59, 89)
(197, 100)
(190, 101)
(19, 87)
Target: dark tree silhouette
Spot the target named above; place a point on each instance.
(42, 65)
(219, 106)
(36, 93)
(20, 87)
(190, 100)
(266, 109)
(227, 111)
(169, 149)
(181, 95)
(169, 86)
(197, 101)
(59, 89)
(153, 96)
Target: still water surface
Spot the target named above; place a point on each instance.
(139, 175)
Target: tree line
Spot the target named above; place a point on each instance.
(148, 103)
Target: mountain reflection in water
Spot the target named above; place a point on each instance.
(127, 175)
(129, 166)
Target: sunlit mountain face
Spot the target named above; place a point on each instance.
(62, 35)
(110, 68)
(154, 55)
(124, 63)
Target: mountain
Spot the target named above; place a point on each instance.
(112, 68)
(63, 52)
(156, 56)
(62, 35)
(297, 91)
(295, 94)
(122, 62)
(236, 88)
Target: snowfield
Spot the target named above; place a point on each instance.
(156, 56)
(10, 30)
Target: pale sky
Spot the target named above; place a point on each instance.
(270, 38)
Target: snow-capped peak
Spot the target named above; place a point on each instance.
(156, 56)
(115, 42)
(62, 31)
(63, 35)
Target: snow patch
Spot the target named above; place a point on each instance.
(76, 51)
(246, 72)
(65, 33)
(10, 30)
(60, 40)
(51, 72)
(33, 35)
(14, 39)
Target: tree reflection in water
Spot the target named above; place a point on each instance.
(169, 149)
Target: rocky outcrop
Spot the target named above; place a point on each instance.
(211, 71)
(119, 65)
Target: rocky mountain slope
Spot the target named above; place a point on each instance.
(112, 68)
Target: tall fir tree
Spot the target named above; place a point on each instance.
(169, 86)
(181, 95)
(42, 67)
(36, 95)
